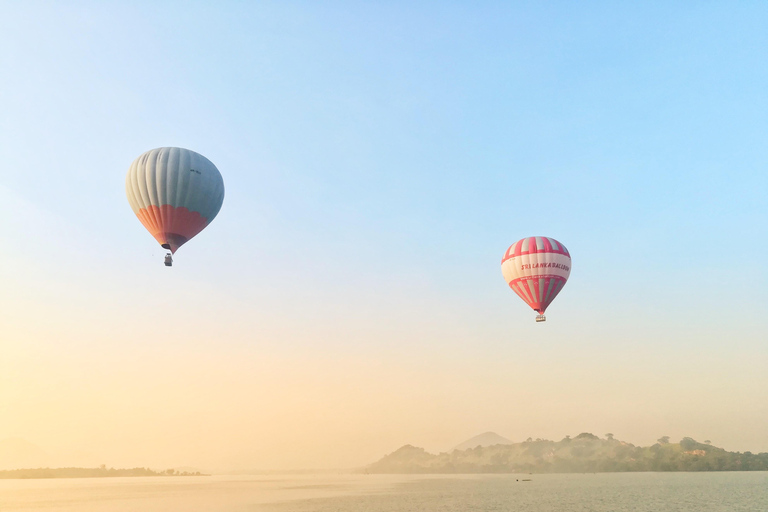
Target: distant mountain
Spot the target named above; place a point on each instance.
(19, 453)
(485, 439)
(586, 453)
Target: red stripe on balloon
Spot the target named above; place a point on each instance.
(520, 286)
(516, 249)
(171, 226)
(525, 292)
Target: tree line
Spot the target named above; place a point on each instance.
(100, 472)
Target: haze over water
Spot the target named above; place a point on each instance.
(636, 492)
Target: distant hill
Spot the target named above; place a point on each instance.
(485, 439)
(19, 453)
(586, 453)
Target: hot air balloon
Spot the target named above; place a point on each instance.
(536, 268)
(175, 193)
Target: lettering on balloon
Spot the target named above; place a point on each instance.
(193, 170)
(545, 265)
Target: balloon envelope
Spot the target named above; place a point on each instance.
(175, 193)
(536, 268)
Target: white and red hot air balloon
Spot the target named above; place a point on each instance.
(536, 268)
(175, 193)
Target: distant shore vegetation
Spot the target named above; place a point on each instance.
(100, 472)
(585, 453)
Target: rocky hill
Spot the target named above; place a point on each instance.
(586, 453)
(485, 439)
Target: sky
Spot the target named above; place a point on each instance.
(378, 159)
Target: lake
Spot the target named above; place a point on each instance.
(604, 492)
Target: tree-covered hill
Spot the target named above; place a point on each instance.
(586, 453)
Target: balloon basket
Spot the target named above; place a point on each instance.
(541, 318)
(168, 260)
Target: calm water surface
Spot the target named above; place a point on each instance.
(612, 492)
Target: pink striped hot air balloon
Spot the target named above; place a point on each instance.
(536, 268)
(175, 193)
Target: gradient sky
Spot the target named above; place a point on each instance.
(379, 158)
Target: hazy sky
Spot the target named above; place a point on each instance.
(379, 158)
